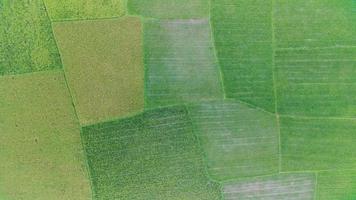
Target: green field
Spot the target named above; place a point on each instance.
(153, 155)
(278, 187)
(243, 40)
(170, 9)
(26, 38)
(41, 153)
(238, 141)
(85, 9)
(180, 62)
(178, 100)
(337, 185)
(104, 66)
(317, 144)
(315, 57)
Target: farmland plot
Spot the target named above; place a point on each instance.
(180, 62)
(84, 9)
(41, 153)
(318, 144)
(337, 185)
(238, 141)
(277, 187)
(26, 38)
(170, 9)
(154, 155)
(316, 57)
(243, 40)
(104, 66)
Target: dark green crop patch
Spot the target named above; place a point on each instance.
(154, 155)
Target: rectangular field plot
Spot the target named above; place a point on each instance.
(278, 187)
(173, 9)
(243, 40)
(315, 57)
(318, 144)
(238, 141)
(85, 9)
(336, 185)
(41, 154)
(154, 155)
(26, 38)
(104, 66)
(180, 62)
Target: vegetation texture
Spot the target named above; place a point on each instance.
(182, 100)
(243, 40)
(318, 144)
(41, 153)
(170, 9)
(85, 9)
(180, 62)
(315, 57)
(337, 185)
(277, 187)
(154, 155)
(238, 141)
(104, 66)
(26, 38)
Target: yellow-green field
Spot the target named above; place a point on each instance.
(41, 153)
(104, 66)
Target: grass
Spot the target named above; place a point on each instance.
(277, 187)
(317, 144)
(180, 62)
(85, 9)
(153, 155)
(26, 38)
(337, 185)
(41, 156)
(238, 141)
(243, 40)
(104, 66)
(315, 57)
(170, 9)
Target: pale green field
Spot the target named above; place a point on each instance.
(291, 186)
(41, 153)
(179, 62)
(104, 66)
(238, 141)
